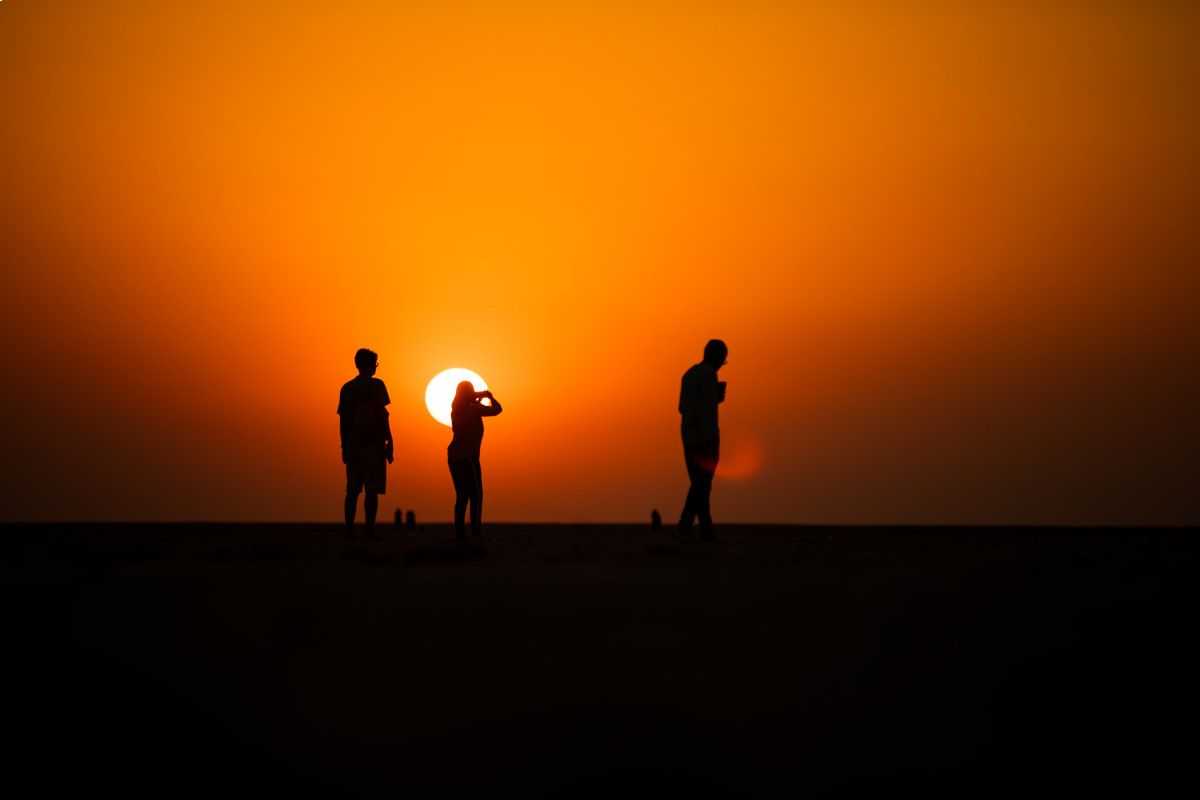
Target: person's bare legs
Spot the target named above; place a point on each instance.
(370, 510)
(460, 511)
(351, 508)
(459, 471)
(477, 501)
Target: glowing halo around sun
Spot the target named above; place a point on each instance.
(439, 394)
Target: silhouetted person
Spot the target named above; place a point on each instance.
(410, 520)
(366, 438)
(398, 519)
(699, 395)
(655, 520)
(466, 417)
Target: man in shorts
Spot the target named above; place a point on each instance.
(366, 439)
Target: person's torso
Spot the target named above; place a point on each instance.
(364, 407)
(698, 404)
(467, 426)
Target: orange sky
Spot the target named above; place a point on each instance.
(954, 252)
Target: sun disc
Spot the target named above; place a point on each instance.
(439, 394)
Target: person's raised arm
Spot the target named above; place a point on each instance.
(492, 410)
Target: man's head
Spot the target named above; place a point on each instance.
(715, 353)
(366, 361)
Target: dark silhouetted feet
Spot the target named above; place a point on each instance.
(688, 533)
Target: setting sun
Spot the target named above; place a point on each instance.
(440, 392)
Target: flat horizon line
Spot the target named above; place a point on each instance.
(612, 524)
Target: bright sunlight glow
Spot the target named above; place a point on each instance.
(439, 394)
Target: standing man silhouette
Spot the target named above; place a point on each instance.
(699, 395)
(366, 439)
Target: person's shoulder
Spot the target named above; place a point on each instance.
(344, 396)
(698, 372)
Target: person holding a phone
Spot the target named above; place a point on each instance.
(466, 421)
(699, 395)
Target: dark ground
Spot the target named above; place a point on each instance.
(593, 660)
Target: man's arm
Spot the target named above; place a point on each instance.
(343, 423)
(707, 390)
(387, 444)
(387, 424)
(699, 406)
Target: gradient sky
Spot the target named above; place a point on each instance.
(954, 248)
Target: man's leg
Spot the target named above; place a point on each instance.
(354, 485)
(351, 507)
(370, 509)
(688, 515)
(707, 464)
(703, 507)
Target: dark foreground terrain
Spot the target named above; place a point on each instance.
(598, 661)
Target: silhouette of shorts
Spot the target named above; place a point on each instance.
(366, 468)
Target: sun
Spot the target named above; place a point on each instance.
(439, 394)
